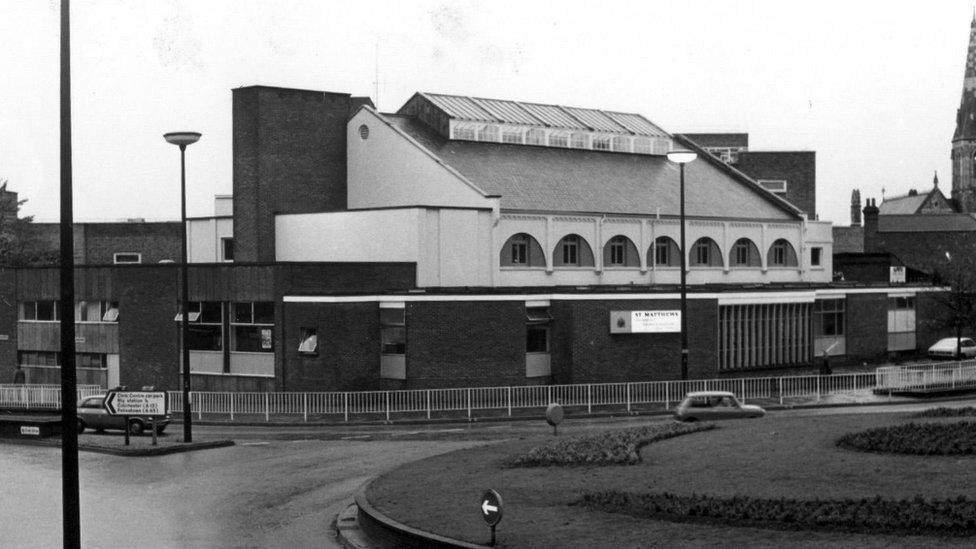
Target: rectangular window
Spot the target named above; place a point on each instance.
(227, 249)
(53, 359)
(308, 341)
(831, 313)
(252, 327)
(48, 310)
(205, 319)
(535, 137)
(558, 140)
(642, 145)
(464, 132)
(520, 252)
(601, 143)
(779, 254)
(815, 256)
(123, 258)
(662, 255)
(512, 136)
(701, 254)
(621, 144)
(579, 141)
(393, 331)
(741, 254)
(777, 186)
(617, 251)
(570, 251)
(97, 311)
(537, 329)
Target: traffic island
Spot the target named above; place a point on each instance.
(782, 460)
(114, 443)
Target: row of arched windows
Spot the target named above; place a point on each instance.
(522, 250)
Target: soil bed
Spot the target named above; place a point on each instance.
(774, 458)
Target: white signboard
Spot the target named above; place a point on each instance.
(645, 322)
(33, 430)
(136, 403)
(897, 275)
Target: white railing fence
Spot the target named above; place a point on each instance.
(506, 401)
(40, 396)
(942, 375)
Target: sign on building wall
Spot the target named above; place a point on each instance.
(645, 322)
(896, 275)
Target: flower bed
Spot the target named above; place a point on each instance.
(910, 516)
(621, 447)
(947, 412)
(943, 439)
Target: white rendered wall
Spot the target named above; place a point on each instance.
(203, 237)
(450, 246)
(388, 168)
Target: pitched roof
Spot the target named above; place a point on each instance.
(926, 223)
(535, 178)
(476, 109)
(902, 205)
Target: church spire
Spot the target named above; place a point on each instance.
(935, 179)
(964, 136)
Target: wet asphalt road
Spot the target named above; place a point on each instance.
(278, 487)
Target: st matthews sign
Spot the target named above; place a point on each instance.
(645, 322)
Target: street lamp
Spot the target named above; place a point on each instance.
(182, 139)
(682, 157)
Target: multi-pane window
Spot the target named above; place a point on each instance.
(97, 311)
(705, 253)
(558, 139)
(621, 144)
(571, 250)
(535, 137)
(252, 327)
(745, 254)
(462, 131)
(740, 253)
(537, 329)
(831, 313)
(53, 359)
(579, 141)
(781, 254)
(520, 250)
(512, 136)
(48, 310)
(308, 340)
(701, 253)
(488, 133)
(126, 257)
(665, 252)
(393, 331)
(601, 143)
(205, 320)
(618, 251)
(643, 145)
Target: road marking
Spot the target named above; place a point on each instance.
(356, 437)
(256, 444)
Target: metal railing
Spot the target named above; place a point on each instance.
(40, 396)
(474, 402)
(937, 376)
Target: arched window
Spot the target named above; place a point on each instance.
(665, 252)
(744, 254)
(619, 251)
(521, 250)
(535, 136)
(782, 254)
(573, 251)
(705, 253)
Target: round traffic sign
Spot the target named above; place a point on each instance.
(491, 507)
(554, 414)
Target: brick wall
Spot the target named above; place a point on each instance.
(8, 325)
(925, 251)
(149, 345)
(866, 331)
(597, 356)
(289, 150)
(96, 243)
(798, 168)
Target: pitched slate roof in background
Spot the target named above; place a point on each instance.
(476, 109)
(902, 205)
(926, 223)
(574, 180)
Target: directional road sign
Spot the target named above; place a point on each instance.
(136, 403)
(491, 508)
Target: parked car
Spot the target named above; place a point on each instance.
(709, 405)
(92, 415)
(946, 348)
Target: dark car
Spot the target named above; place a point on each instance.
(709, 405)
(92, 415)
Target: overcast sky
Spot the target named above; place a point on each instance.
(872, 87)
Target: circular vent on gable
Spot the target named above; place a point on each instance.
(363, 132)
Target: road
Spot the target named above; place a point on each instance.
(278, 487)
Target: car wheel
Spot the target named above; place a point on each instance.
(81, 426)
(135, 427)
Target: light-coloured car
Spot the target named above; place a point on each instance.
(946, 348)
(92, 415)
(709, 405)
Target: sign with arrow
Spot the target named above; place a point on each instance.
(491, 511)
(135, 403)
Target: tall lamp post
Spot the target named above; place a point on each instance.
(182, 139)
(682, 157)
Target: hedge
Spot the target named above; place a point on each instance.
(943, 439)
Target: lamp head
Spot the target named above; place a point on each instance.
(682, 156)
(182, 138)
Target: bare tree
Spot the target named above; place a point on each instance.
(958, 302)
(19, 246)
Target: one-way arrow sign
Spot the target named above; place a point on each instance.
(491, 508)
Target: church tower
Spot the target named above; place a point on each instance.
(964, 138)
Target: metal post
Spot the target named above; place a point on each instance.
(70, 496)
(589, 398)
(779, 381)
(232, 407)
(667, 395)
(387, 406)
(428, 403)
(267, 408)
(305, 406)
(469, 403)
(684, 282)
(185, 305)
(509, 401)
(818, 388)
(628, 397)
